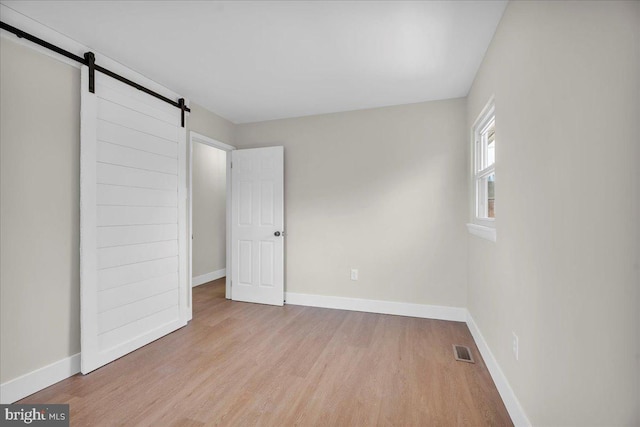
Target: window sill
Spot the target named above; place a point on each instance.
(488, 233)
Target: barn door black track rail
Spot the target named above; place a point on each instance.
(89, 60)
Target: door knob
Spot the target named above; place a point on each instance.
(277, 234)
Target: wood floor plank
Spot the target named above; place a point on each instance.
(240, 364)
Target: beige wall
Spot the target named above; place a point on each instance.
(39, 217)
(39, 210)
(381, 190)
(209, 124)
(563, 273)
(209, 209)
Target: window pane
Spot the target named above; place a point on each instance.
(486, 196)
(491, 145)
(491, 195)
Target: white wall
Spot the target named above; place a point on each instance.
(563, 273)
(382, 190)
(209, 209)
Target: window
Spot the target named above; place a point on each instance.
(484, 174)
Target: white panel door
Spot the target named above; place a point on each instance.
(133, 221)
(257, 225)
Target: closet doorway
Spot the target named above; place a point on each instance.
(209, 210)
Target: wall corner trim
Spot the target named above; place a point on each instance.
(206, 278)
(27, 384)
(511, 402)
(456, 314)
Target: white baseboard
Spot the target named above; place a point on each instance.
(206, 278)
(518, 416)
(41, 378)
(457, 314)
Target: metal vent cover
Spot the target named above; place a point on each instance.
(462, 353)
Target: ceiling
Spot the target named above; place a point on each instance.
(260, 60)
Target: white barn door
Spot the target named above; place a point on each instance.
(133, 221)
(257, 221)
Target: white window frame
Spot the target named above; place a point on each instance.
(481, 226)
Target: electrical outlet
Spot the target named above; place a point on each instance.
(515, 345)
(354, 274)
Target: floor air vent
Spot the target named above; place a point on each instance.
(462, 354)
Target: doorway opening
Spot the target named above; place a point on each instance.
(209, 211)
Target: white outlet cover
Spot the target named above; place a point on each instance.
(354, 274)
(515, 346)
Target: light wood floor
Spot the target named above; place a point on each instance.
(248, 364)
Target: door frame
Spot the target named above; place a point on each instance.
(197, 137)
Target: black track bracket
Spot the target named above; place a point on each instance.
(183, 108)
(90, 59)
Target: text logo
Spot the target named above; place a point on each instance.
(54, 415)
